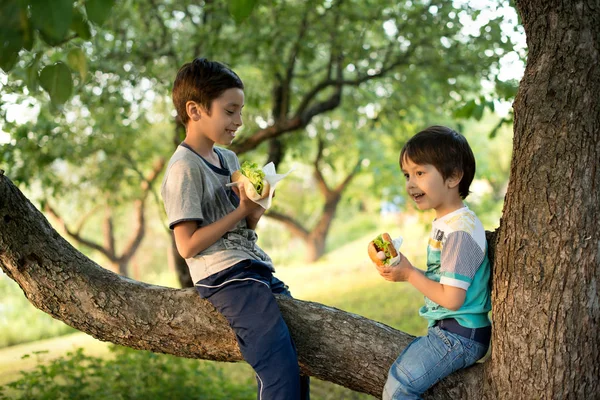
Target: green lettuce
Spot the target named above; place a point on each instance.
(256, 176)
(383, 245)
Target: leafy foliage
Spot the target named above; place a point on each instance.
(56, 24)
(21, 322)
(129, 374)
(361, 75)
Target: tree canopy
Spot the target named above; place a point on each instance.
(97, 75)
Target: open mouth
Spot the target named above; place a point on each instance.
(417, 196)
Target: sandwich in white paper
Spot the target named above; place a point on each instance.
(259, 183)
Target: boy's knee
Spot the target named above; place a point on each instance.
(399, 385)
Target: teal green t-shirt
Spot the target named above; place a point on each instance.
(457, 256)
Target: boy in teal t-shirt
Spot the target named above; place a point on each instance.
(439, 166)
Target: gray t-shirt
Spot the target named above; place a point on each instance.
(194, 190)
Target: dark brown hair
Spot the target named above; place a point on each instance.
(447, 150)
(202, 81)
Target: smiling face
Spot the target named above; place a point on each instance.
(221, 123)
(225, 116)
(427, 187)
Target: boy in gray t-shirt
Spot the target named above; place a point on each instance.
(214, 227)
(194, 190)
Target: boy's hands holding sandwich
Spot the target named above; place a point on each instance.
(251, 209)
(390, 263)
(253, 180)
(400, 272)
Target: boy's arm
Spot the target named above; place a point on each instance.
(447, 296)
(253, 218)
(191, 240)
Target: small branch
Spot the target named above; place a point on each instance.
(294, 226)
(76, 236)
(342, 186)
(319, 178)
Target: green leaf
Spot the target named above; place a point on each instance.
(56, 80)
(81, 26)
(52, 18)
(77, 61)
(31, 73)
(478, 111)
(98, 11)
(26, 30)
(241, 9)
(12, 36)
(465, 111)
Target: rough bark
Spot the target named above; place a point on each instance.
(545, 299)
(333, 345)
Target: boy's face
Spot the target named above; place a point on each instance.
(224, 119)
(426, 186)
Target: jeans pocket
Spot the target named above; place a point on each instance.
(441, 334)
(474, 352)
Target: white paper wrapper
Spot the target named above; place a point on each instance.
(397, 242)
(273, 178)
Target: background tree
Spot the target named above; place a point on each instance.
(114, 64)
(548, 244)
(315, 237)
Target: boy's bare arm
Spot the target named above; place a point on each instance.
(191, 240)
(254, 217)
(447, 296)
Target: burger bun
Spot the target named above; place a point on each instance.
(249, 188)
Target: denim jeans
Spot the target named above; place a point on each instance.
(243, 293)
(429, 359)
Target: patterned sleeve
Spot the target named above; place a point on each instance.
(460, 259)
(182, 194)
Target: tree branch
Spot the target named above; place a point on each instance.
(319, 178)
(333, 345)
(294, 226)
(140, 206)
(340, 188)
(305, 112)
(75, 235)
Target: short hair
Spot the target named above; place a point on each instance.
(202, 81)
(447, 150)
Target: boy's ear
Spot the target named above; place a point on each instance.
(193, 110)
(454, 179)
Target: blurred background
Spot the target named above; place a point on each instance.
(333, 90)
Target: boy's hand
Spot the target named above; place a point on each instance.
(252, 210)
(250, 207)
(397, 273)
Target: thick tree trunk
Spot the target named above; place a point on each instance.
(547, 269)
(333, 345)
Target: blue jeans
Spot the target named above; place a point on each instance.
(429, 359)
(243, 293)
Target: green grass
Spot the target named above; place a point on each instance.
(344, 278)
(20, 321)
(25, 357)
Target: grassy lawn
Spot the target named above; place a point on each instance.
(344, 279)
(26, 356)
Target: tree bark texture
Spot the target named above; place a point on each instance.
(333, 345)
(546, 305)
